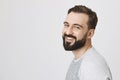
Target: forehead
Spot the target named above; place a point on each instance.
(79, 18)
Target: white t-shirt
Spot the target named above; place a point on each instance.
(91, 66)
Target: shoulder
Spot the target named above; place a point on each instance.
(94, 67)
(92, 57)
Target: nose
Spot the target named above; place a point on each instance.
(69, 31)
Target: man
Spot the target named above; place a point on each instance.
(88, 64)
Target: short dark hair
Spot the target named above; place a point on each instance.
(83, 9)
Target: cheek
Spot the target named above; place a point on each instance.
(63, 32)
(79, 36)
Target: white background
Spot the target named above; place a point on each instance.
(31, 43)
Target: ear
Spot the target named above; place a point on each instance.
(91, 33)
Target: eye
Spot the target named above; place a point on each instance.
(66, 25)
(77, 27)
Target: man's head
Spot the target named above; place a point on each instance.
(78, 27)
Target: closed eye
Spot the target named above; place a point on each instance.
(78, 26)
(66, 24)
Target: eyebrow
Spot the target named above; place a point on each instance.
(65, 22)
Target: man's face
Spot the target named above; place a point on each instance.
(75, 31)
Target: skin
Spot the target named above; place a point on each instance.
(76, 24)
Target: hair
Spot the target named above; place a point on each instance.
(92, 15)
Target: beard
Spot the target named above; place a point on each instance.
(76, 45)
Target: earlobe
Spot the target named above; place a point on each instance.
(91, 33)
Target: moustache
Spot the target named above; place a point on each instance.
(65, 35)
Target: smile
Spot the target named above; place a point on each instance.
(69, 39)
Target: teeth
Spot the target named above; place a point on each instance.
(69, 38)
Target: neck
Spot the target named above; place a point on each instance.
(79, 52)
